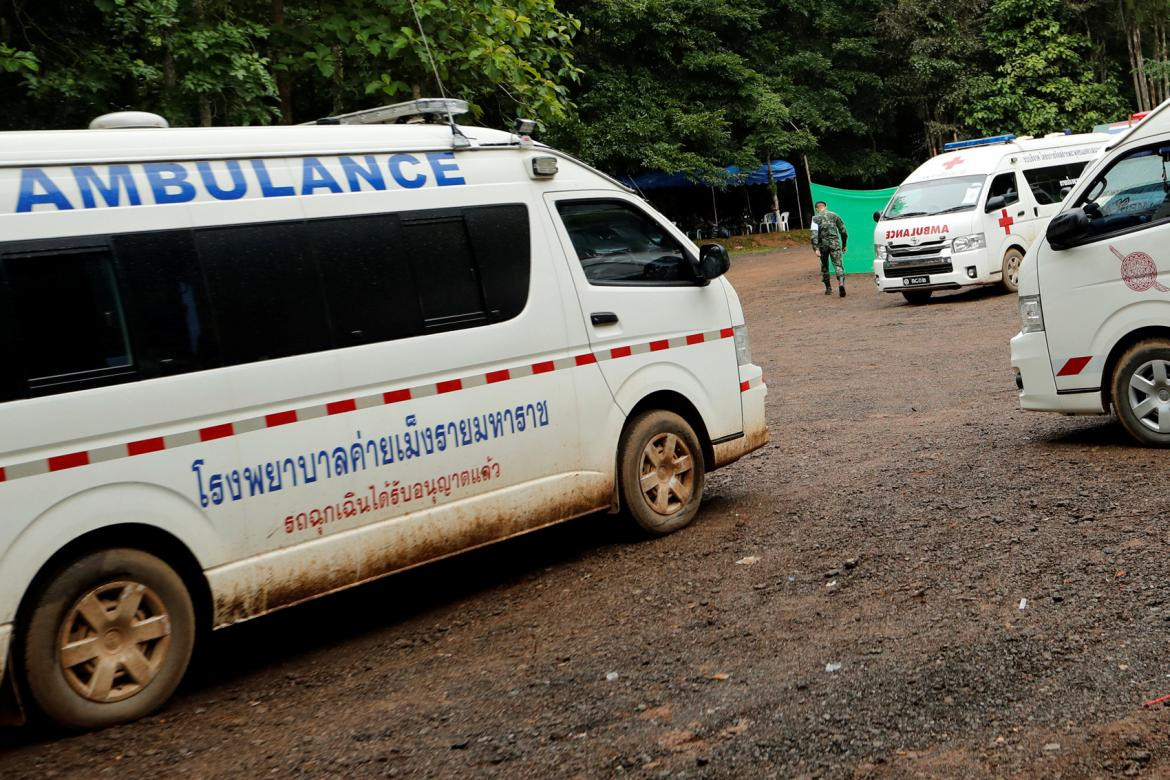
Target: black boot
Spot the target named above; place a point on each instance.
(841, 286)
(841, 291)
(828, 288)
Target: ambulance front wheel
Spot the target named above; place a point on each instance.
(1011, 269)
(109, 638)
(661, 472)
(1141, 392)
(916, 297)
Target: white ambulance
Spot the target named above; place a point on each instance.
(244, 367)
(967, 217)
(1095, 292)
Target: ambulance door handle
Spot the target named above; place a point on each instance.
(603, 318)
(1036, 210)
(1020, 214)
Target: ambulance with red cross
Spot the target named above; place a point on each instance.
(968, 216)
(1095, 292)
(245, 367)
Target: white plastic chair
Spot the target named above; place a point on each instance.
(784, 221)
(770, 223)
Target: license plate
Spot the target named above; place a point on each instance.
(910, 281)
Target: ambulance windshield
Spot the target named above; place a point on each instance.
(940, 196)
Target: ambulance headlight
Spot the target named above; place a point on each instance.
(743, 347)
(969, 243)
(1031, 314)
(881, 252)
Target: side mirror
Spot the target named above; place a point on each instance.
(995, 204)
(1064, 191)
(1066, 228)
(713, 261)
(877, 216)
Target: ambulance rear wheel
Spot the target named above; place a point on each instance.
(108, 639)
(916, 297)
(1141, 392)
(1011, 269)
(661, 471)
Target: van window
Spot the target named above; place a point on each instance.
(1004, 185)
(167, 310)
(265, 290)
(68, 323)
(1132, 193)
(619, 244)
(100, 310)
(1048, 182)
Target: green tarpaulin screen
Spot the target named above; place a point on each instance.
(856, 208)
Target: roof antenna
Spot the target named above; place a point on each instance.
(458, 139)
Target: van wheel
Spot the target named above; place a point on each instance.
(1011, 269)
(108, 640)
(1141, 392)
(917, 297)
(662, 472)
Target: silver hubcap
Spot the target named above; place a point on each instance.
(1149, 395)
(1013, 269)
(668, 474)
(114, 640)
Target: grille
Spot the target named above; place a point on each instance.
(917, 269)
(932, 248)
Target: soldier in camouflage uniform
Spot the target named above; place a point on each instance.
(829, 239)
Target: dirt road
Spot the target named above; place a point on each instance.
(901, 517)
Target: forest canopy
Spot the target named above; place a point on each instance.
(862, 88)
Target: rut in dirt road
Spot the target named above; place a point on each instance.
(848, 601)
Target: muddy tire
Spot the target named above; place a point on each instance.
(917, 297)
(1011, 270)
(661, 471)
(108, 639)
(1141, 392)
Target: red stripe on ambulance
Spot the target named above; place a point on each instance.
(213, 432)
(70, 461)
(1074, 366)
(280, 418)
(216, 432)
(146, 446)
(341, 407)
(396, 396)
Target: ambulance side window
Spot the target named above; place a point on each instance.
(1003, 191)
(618, 244)
(1049, 184)
(69, 327)
(1131, 194)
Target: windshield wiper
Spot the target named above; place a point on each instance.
(960, 207)
(907, 214)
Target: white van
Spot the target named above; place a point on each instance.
(245, 367)
(1094, 297)
(967, 216)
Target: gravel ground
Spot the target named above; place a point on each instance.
(850, 602)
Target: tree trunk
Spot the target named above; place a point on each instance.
(203, 101)
(283, 79)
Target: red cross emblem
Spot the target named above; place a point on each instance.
(1006, 223)
(950, 164)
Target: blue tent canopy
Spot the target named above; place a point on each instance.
(653, 180)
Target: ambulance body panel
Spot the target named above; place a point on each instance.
(1095, 291)
(967, 217)
(313, 356)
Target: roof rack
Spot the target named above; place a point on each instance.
(995, 139)
(429, 109)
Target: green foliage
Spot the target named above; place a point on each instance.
(864, 89)
(1041, 83)
(15, 61)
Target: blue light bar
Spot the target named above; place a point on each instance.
(995, 139)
